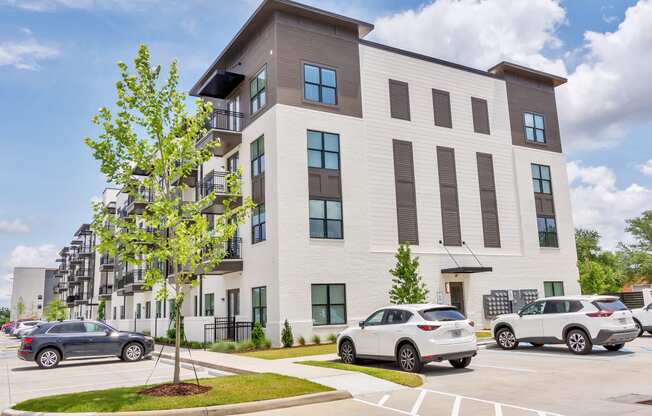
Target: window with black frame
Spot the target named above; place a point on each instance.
(328, 304)
(323, 150)
(257, 148)
(325, 219)
(148, 310)
(541, 180)
(535, 130)
(547, 227)
(257, 89)
(319, 84)
(209, 304)
(258, 232)
(259, 304)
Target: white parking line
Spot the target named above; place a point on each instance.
(498, 409)
(383, 400)
(568, 356)
(403, 412)
(456, 406)
(417, 403)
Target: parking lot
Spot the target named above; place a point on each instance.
(21, 380)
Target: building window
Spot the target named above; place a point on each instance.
(209, 304)
(259, 304)
(323, 150)
(258, 233)
(541, 179)
(195, 305)
(325, 219)
(115, 314)
(535, 130)
(319, 84)
(553, 288)
(138, 311)
(328, 304)
(547, 232)
(148, 310)
(258, 157)
(258, 92)
(122, 311)
(158, 309)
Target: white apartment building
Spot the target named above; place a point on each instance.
(32, 288)
(348, 148)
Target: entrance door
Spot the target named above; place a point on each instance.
(457, 295)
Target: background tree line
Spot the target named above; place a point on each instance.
(603, 271)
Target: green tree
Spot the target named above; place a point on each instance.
(101, 310)
(287, 339)
(600, 271)
(55, 310)
(587, 243)
(152, 132)
(258, 335)
(407, 286)
(5, 315)
(20, 307)
(638, 256)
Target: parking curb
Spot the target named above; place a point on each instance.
(222, 410)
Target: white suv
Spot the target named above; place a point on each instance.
(412, 335)
(643, 319)
(578, 321)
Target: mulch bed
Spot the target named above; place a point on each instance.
(181, 389)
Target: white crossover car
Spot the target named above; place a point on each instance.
(411, 335)
(643, 319)
(24, 327)
(578, 321)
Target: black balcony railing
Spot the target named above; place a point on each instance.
(145, 196)
(233, 248)
(134, 276)
(106, 260)
(222, 119)
(106, 289)
(214, 181)
(84, 272)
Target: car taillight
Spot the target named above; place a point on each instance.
(27, 340)
(600, 314)
(428, 327)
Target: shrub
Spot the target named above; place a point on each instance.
(286, 335)
(258, 335)
(171, 333)
(223, 346)
(316, 339)
(268, 343)
(302, 341)
(332, 338)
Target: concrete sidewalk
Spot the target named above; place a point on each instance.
(354, 382)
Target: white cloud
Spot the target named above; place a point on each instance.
(599, 204)
(610, 91)
(49, 5)
(32, 256)
(478, 33)
(13, 226)
(646, 168)
(25, 54)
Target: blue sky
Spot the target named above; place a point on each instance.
(57, 67)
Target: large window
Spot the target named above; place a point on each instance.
(158, 309)
(319, 84)
(323, 150)
(258, 156)
(209, 304)
(547, 232)
(259, 304)
(325, 219)
(553, 288)
(258, 232)
(138, 311)
(258, 93)
(328, 304)
(535, 130)
(148, 310)
(541, 179)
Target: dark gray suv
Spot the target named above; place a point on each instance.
(52, 342)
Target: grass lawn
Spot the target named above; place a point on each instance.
(226, 390)
(398, 377)
(278, 353)
(483, 334)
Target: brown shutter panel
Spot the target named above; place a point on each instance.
(441, 103)
(450, 211)
(545, 205)
(480, 115)
(406, 203)
(324, 184)
(488, 205)
(258, 189)
(399, 99)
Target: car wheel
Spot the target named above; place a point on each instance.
(536, 344)
(347, 352)
(408, 359)
(639, 327)
(506, 339)
(132, 352)
(48, 358)
(461, 362)
(578, 342)
(616, 347)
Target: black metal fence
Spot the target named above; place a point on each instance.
(222, 119)
(227, 329)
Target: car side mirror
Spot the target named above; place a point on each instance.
(361, 324)
(107, 332)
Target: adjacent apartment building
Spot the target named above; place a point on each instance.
(350, 147)
(31, 290)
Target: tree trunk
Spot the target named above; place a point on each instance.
(177, 343)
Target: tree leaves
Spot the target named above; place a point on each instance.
(407, 286)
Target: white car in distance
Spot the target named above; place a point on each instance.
(578, 321)
(643, 319)
(411, 335)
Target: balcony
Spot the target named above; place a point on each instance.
(105, 292)
(232, 261)
(84, 273)
(137, 205)
(106, 262)
(189, 180)
(224, 126)
(217, 182)
(135, 280)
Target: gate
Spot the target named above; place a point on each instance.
(227, 329)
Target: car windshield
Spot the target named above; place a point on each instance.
(442, 314)
(610, 305)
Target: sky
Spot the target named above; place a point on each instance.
(58, 67)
